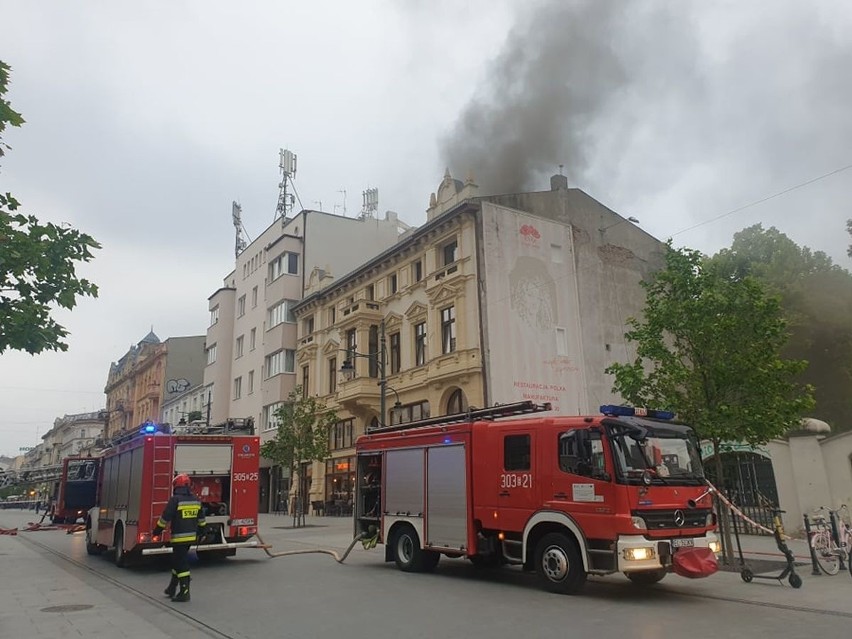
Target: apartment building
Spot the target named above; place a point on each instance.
(250, 366)
(495, 299)
(149, 374)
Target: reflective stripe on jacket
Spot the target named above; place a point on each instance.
(185, 514)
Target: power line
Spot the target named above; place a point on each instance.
(765, 199)
(51, 390)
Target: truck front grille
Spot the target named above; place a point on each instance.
(664, 519)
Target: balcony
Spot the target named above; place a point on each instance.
(367, 310)
(359, 392)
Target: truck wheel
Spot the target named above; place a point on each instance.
(558, 563)
(91, 547)
(646, 577)
(406, 550)
(118, 541)
(430, 560)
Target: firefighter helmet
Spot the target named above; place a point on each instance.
(181, 480)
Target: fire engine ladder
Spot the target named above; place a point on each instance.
(161, 488)
(494, 412)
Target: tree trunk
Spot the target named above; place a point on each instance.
(728, 557)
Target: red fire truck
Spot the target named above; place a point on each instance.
(565, 496)
(135, 482)
(76, 489)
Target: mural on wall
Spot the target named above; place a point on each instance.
(177, 385)
(535, 352)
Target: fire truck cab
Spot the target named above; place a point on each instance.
(567, 496)
(135, 483)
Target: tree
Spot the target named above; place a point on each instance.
(816, 300)
(849, 230)
(303, 430)
(37, 265)
(709, 349)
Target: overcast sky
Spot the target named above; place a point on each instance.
(145, 120)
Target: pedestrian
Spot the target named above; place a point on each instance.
(185, 516)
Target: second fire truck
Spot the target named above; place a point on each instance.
(135, 483)
(562, 495)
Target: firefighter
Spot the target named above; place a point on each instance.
(185, 515)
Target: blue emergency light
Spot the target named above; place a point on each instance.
(150, 428)
(630, 411)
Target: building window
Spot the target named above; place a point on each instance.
(342, 434)
(457, 403)
(250, 382)
(283, 361)
(241, 306)
(281, 312)
(270, 418)
(238, 387)
(211, 354)
(370, 292)
(239, 347)
(332, 316)
(214, 315)
(561, 341)
(285, 263)
(350, 346)
(410, 412)
(420, 344)
(448, 329)
(306, 380)
(392, 284)
(449, 252)
(417, 271)
(307, 326)
(254, 297)
(252, 339)
(394, 353)
(373, 347)
(332, 375)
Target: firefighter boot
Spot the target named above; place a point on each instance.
(170, 591)
(183, 590)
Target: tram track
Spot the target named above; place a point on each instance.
(196, 623)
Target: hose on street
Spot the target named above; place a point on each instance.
(338, 558)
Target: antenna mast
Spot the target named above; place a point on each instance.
(371, 203)
(240, 242)
(287, 166)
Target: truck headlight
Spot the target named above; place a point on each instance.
(639, 523)
(715, 546)
(638, 554)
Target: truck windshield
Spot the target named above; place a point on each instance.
(671, 456)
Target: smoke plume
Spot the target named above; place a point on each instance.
(555, 74)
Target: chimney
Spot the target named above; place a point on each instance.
(558, 182)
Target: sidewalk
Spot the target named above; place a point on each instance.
(42, 600)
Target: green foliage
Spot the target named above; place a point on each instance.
(709, 348)
(303, 430)
(816, 298)
(194, 416)
(849, 230)
(37, 266)
(7, 115)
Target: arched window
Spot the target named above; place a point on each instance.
(457, 402)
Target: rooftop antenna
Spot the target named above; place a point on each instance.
(371, 203)
(287, 166)
(240, 242)
(344, 200)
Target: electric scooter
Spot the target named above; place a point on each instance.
(789, 571)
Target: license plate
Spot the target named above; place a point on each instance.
(682, 543)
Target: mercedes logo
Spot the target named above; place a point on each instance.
(679, 518)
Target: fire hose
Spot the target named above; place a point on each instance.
(368, 539)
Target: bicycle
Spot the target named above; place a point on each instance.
(828, 552)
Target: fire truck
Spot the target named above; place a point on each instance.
(75, 492)
(135, 483)
(565, 496)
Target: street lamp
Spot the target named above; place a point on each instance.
(380, 357)
(621, 221)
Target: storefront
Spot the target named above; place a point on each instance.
(339, 485)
